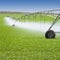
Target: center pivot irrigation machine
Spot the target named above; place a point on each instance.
(44, 16)
(50, 16)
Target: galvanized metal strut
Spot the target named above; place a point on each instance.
(57, 18)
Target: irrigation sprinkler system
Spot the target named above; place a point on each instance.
(49, 33)
(42, 18)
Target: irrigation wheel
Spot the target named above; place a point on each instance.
(50, 34)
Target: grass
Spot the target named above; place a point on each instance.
(20, 44)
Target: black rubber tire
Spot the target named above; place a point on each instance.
(50, 34)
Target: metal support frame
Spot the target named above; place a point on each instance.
(57, 18)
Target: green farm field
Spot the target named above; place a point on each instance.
(21, 44)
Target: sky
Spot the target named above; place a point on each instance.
(28, 5)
